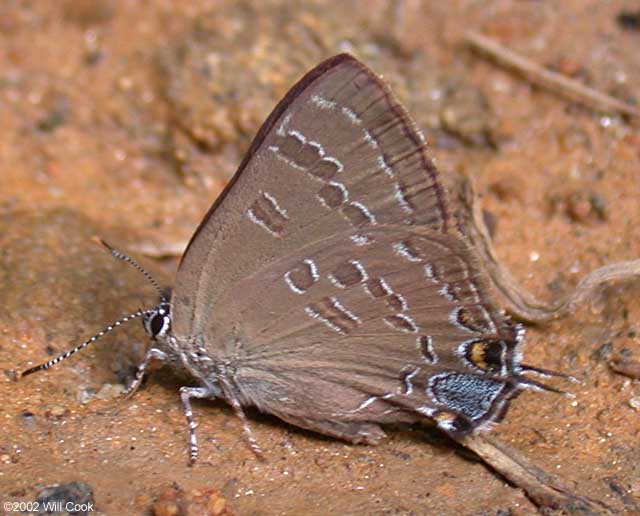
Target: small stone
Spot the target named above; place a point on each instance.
(110, 391)
(125, 83)
(603, 352)
(634, 403)
(166, 508)
(78, 494)
(585, 207)
(599, 205)
(507, 188)
(578, 208)
(216, 504)
(86, 394)
(195, 502)
(55, 109)
(56, 411)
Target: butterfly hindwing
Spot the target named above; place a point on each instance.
(395, 328)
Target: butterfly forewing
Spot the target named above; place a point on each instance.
(338, 153)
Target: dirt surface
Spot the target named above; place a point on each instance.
(125, 119)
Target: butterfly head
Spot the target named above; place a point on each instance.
(157, 322)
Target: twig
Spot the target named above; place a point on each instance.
(547, 79)
(625, 366)
(159, 250)
(544, 490)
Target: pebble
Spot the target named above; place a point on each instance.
(508, 188)
(603, 352)
(110, 391)
(166, 508)
(57, 411)
(78, 494)
(201, 502)
(585, 207)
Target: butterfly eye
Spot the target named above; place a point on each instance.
(157, 323)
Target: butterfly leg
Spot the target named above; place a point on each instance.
(152, 354)
(186, 393)
(253, 444)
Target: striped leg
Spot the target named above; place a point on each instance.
(186, 393)
(152, 354)
(253, 443)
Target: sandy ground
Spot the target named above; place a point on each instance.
(125, 119)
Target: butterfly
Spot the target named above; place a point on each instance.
(329, 285)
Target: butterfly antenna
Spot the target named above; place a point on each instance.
(135, 265)
(79, 347)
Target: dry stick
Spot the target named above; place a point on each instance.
(547, 79)
(544, 490)
(160, 250)
(627, 367)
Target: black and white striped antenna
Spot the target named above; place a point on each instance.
(135, 265)
(79, 347)
(112, 326)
